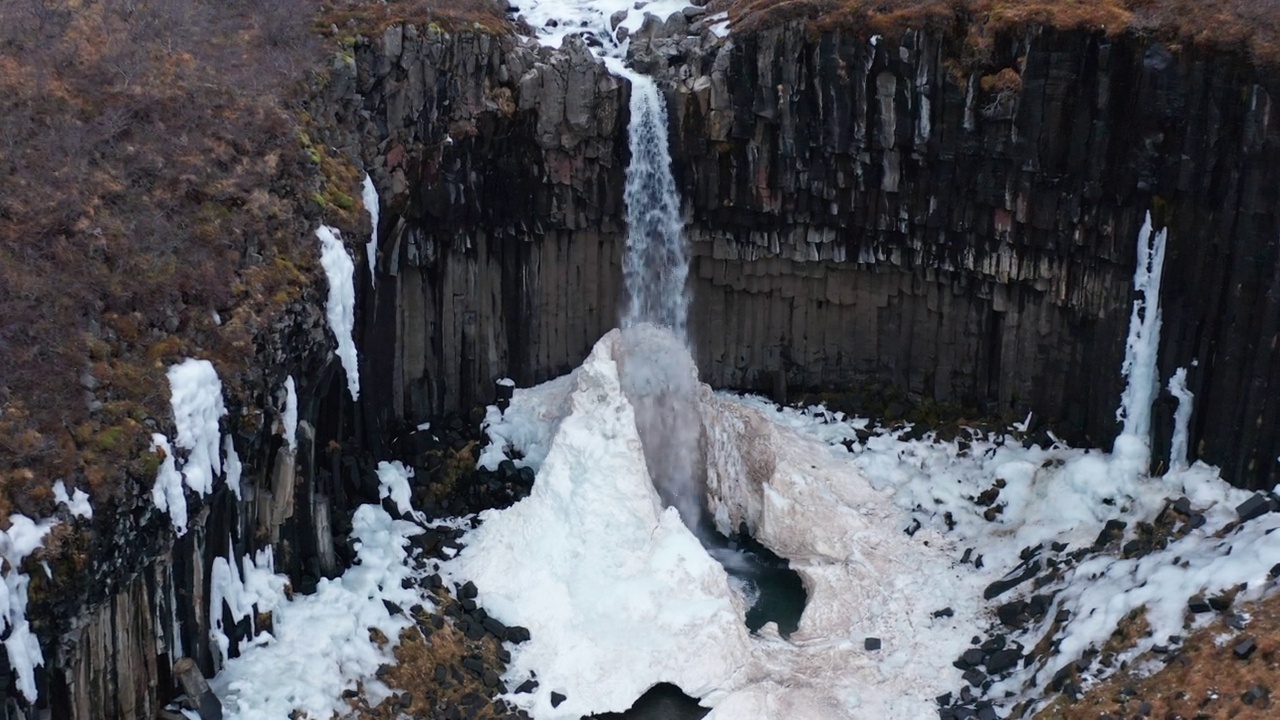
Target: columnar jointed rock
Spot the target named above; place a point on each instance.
(895, 210)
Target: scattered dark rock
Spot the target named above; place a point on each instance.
(1245, 648)
(1199, 605)
(1221, 603)
(496, 628)
(1111, 532)
(1256, 694)
(999, 587)
(913, 528)
(557, 698)
(944, 612)
(975, 677)
(1256, 506)
(871, 643)
(1002, 661)
(517, 634)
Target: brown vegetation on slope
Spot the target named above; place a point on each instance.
(1252, 25)
(151, 208)
(1203, 678)
(371, 18)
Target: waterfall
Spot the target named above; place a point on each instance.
(657, 373)
(656, 263)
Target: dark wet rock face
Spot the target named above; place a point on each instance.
(856, 212)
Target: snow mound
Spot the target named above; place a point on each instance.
(619, 595)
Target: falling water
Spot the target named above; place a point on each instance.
(658, 374)
(656, 263)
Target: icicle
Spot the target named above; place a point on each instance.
(1181, 420)
(341, 305)
(369, 195)
(1132, 450)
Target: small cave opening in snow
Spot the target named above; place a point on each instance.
(663, 701)
(771, 590)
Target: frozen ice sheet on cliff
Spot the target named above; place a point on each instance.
(340, 307)
(290, 414)
(196, 400)
(22, 538)
(256, 588)
(369, 195)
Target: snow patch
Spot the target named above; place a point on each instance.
(77, 503)
(319, 644)
(554, 20)
(196, 399)
(393, 482)
(341, 304)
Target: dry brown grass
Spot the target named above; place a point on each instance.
(1252, 25)
(371, 18)
(417, 657)
(154, 199)
(1199, 679)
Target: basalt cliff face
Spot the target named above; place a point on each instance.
(892, 211)
(905, 212)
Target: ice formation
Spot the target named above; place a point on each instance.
(340, 307)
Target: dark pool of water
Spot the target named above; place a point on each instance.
(779, 593)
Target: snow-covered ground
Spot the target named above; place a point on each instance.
(586, 561)
(611, 21)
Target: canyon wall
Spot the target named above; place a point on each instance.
(961, 227)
